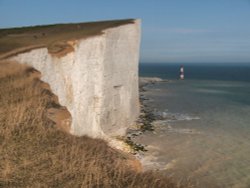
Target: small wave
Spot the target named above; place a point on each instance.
(212, 91)
(163, 125)
(182, 131)
(169, 117)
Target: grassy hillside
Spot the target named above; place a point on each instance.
(35, 153)
(54, 37)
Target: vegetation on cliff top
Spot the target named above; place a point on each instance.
(54, 37)
(35, 153)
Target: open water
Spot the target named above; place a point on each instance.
(203, 133)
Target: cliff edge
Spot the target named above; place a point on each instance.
(95, 76)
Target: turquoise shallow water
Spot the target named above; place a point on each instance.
(204, 131)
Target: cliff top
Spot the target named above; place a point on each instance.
(57, 38)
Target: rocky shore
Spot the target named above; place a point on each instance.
(144, 123)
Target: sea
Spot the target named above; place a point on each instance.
(202, 133)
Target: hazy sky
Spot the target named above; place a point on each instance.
(173, 30)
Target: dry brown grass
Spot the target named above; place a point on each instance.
(57, 38)
(34, 153)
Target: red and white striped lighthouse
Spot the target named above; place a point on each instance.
(182, 72)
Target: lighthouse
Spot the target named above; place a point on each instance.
(182, 72)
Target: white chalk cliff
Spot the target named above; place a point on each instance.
(97, 82)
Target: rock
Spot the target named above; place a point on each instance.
(148, 80)
(97, 81)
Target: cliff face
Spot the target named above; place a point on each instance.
(97, 81)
